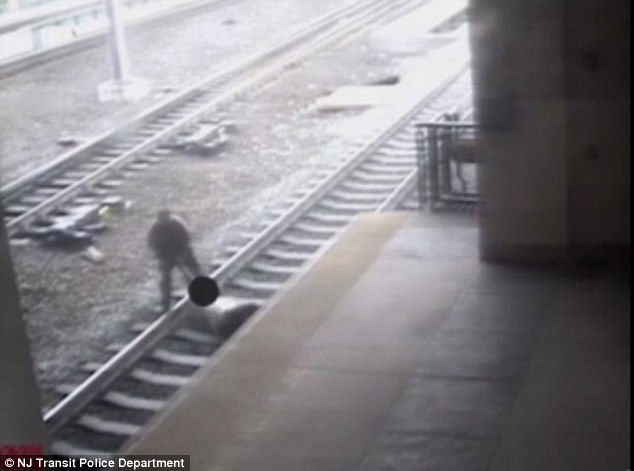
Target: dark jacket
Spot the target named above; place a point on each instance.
(169, 238)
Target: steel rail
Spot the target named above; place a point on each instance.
(399, 193)
(95, 384)
(148, 144)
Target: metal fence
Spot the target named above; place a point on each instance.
(447, 156)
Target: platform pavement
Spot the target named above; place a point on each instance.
(399, 350)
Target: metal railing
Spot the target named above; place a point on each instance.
(447, 154)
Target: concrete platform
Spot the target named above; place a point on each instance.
(399, 350)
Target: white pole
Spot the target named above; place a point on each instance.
(118, 51)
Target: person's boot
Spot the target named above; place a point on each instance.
(166, 304)
(166, 292)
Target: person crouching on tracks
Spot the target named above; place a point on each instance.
(170, 241)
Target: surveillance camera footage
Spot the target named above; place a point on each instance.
(315, 235)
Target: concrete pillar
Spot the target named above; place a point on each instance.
(517, 49)
(20, 410)
(598, 126)
(550, 79)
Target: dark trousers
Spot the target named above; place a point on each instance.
(188, 265)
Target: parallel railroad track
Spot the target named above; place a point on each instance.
(118, 397)
(86, 174)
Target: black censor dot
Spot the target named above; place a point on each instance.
(203, 291)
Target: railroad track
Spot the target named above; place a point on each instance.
(120, 395)
(87, 174)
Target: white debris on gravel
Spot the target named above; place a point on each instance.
(93, 255)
